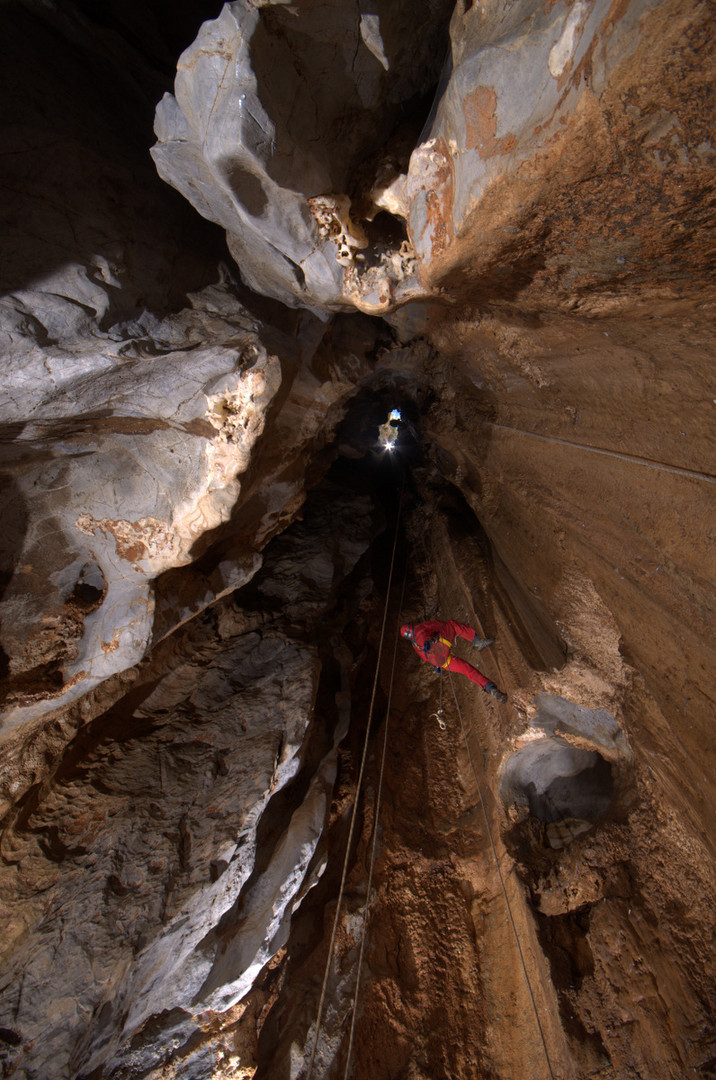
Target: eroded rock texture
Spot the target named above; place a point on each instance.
(274, 111)
(194, 768)
(198, 524)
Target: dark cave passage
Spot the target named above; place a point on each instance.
(556, 780)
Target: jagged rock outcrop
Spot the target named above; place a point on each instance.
(134, 446)
(269, 149)
(168, 829)
(130, 450)
(561, 152)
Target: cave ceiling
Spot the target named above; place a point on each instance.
(317, 319)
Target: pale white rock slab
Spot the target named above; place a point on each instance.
(122, 462)
(156, 902)
(159, 847)
(272, 112)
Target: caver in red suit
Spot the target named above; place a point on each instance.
(433, 641)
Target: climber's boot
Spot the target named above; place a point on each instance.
(490, 688)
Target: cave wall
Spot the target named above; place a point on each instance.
(197, 530)
(590, 515)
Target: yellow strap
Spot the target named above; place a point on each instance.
(446, 665)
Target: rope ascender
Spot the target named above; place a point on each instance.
(440, 714)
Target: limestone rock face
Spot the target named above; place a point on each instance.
(185, 864)
(563, 151)
(530, 114)
(130, 412)
(179, 851)
(129, 452)
(274, 111)
(130, 456)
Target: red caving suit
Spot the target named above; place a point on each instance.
(437, 652)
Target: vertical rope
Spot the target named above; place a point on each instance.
(355, 805)
(502, 883)
(374, 845)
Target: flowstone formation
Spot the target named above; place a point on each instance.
(207, 457)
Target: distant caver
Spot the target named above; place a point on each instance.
(433, 641)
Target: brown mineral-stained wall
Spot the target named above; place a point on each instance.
(613, 193)
(616, 928)
(570, 487)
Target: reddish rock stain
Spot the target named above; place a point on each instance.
(480, 112)
(439, 200)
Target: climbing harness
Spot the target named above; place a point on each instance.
(502, 884)
(428, 645)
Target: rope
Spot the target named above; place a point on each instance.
(502, 882)
(374, 845)
(355, 805)
(630, 458)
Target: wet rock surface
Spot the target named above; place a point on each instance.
(198, 524)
